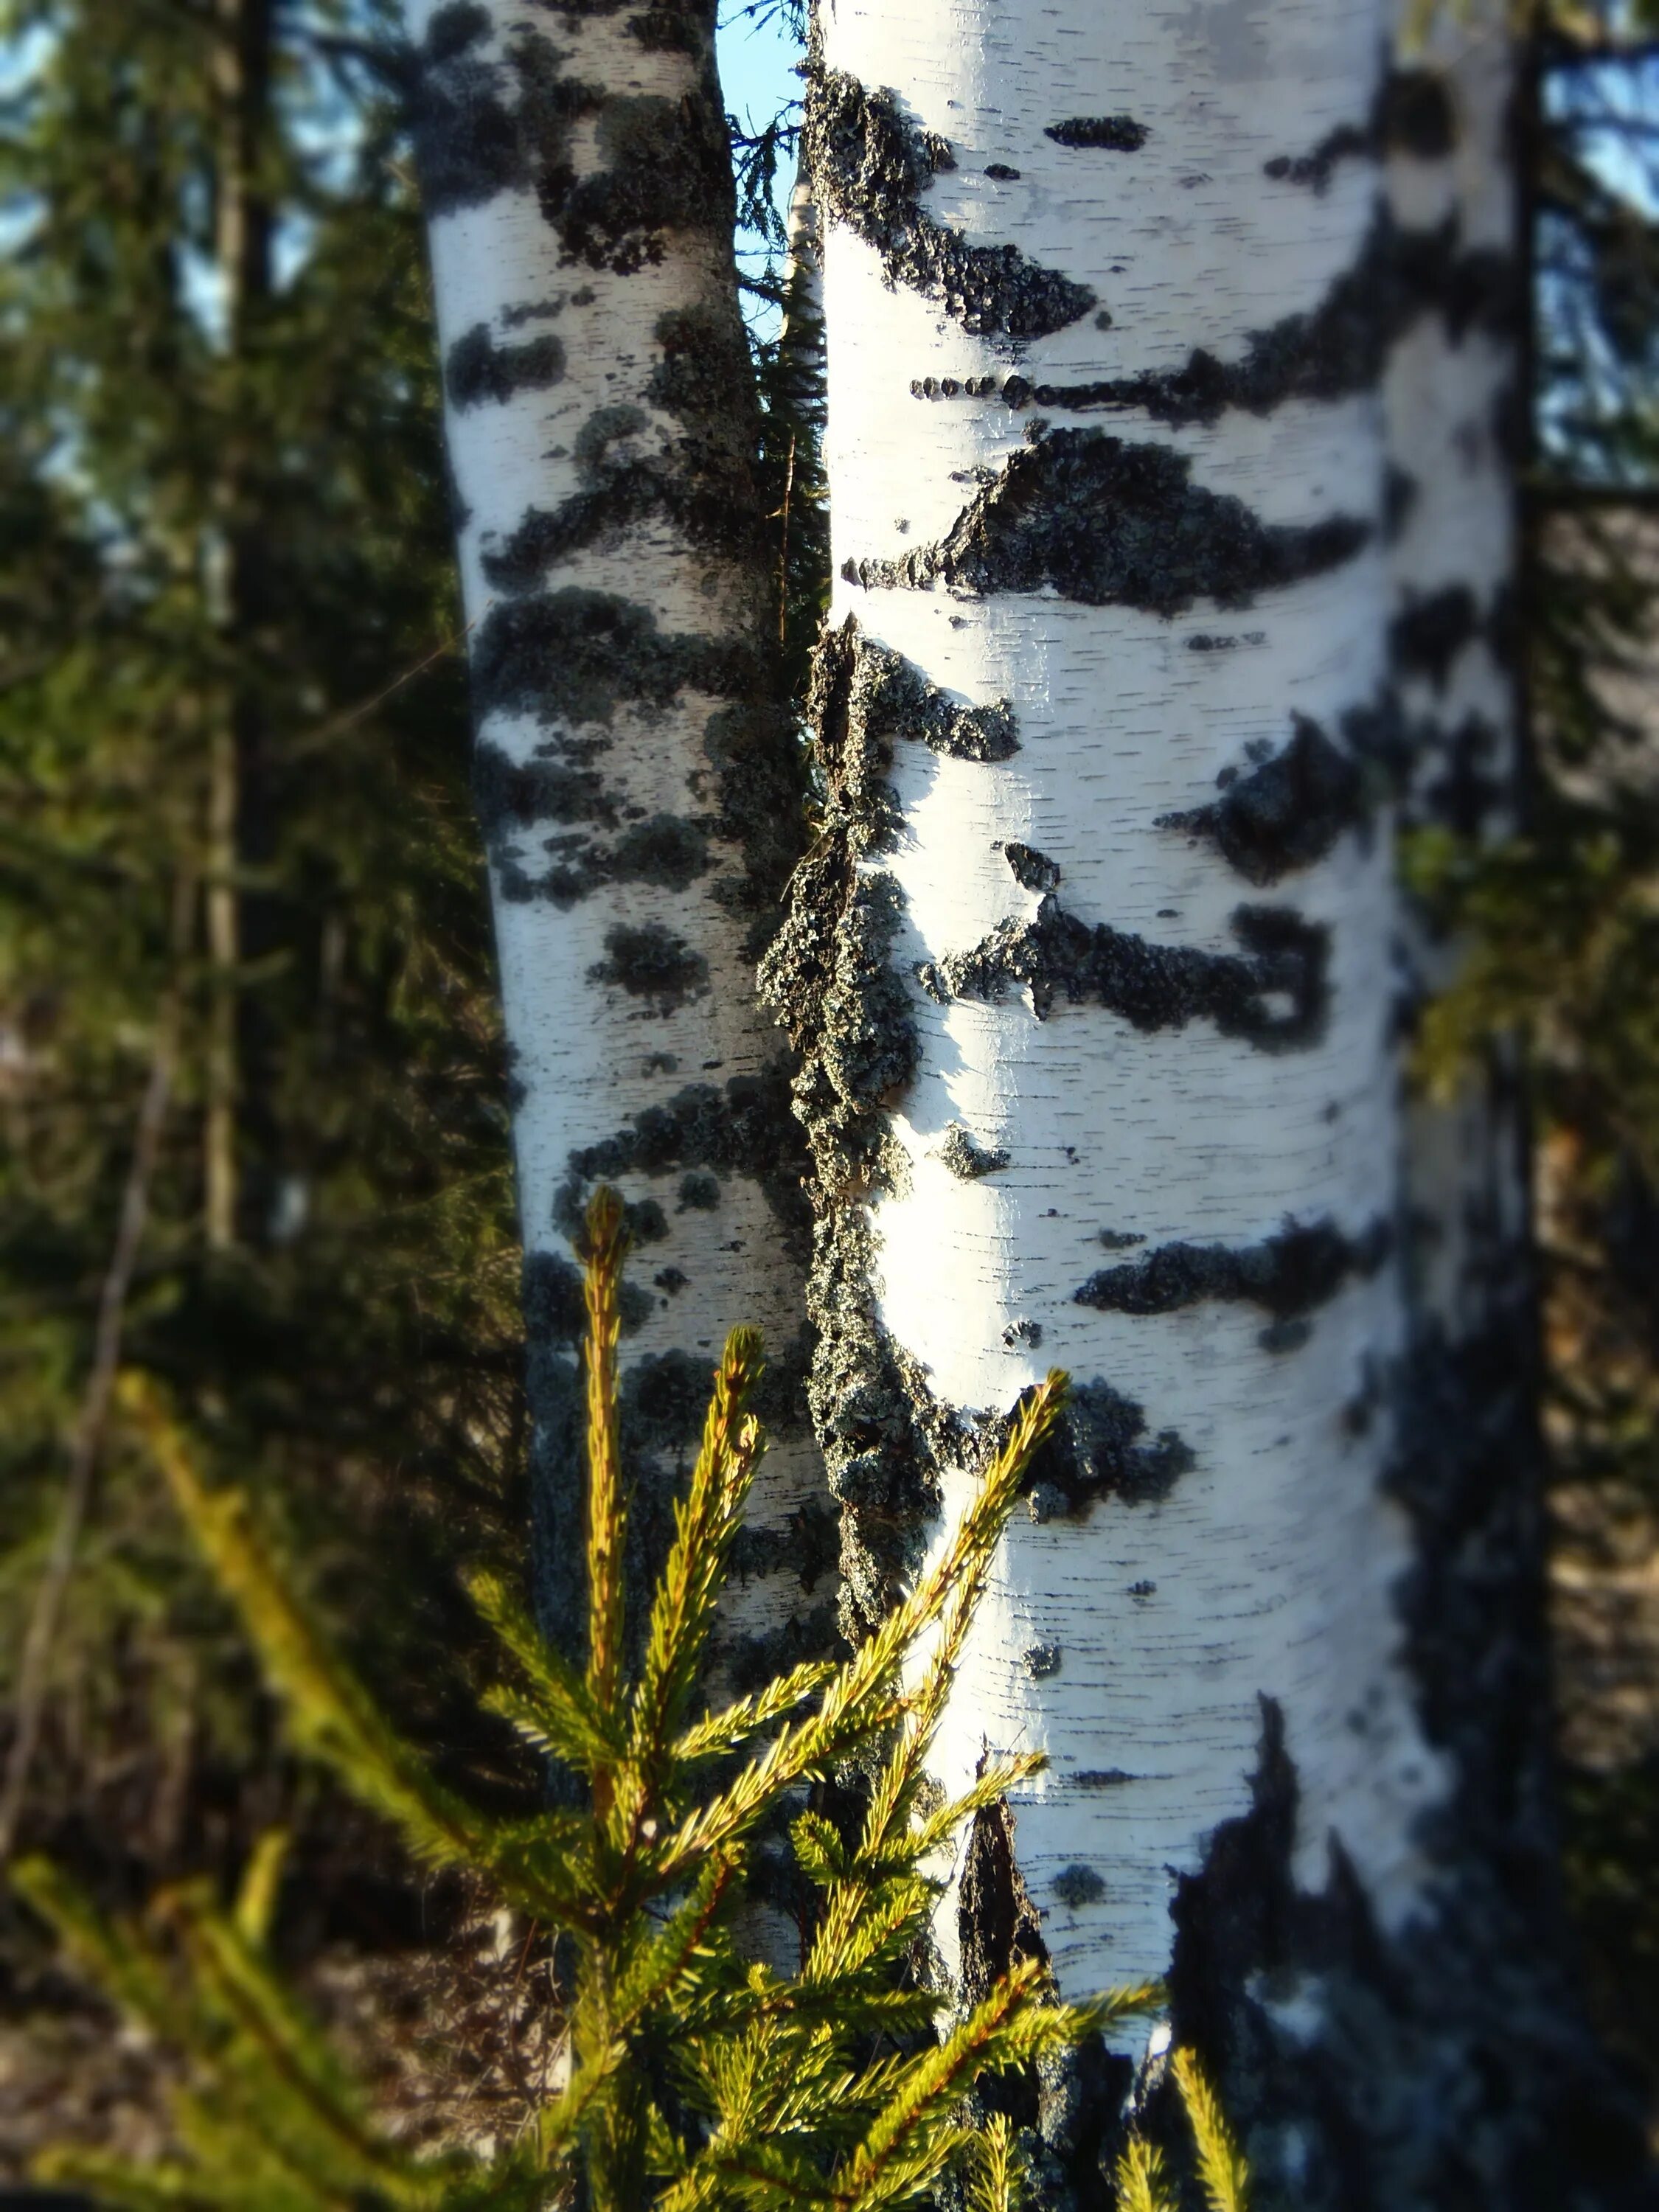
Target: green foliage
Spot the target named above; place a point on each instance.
(1142, 2180)
(216, 528)
(699, 2076)
(1221, 2168)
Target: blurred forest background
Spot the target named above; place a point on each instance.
(246, 979)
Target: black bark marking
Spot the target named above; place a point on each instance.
(1497, 2095)
(532, 311)
(1347, 141)
(1156, 987)
(1399, 493)
(752, 1662)
(902, 702)
(651, 963)
(1473, 788)
(869, 165)
(573, 655)
(1336, 348)
(470, 139)
(1101, 1449)
(1417, 114)
(664, 849)
(477, 371)
(1476, 288)
(743, 1128)
(624, 484)
(1101, 1778)
(560, 784)
(668, 168)
(1430, 632)
(704, 366)
(1076, 1885)
(1118, 134)
(1287, 811)
(666, 26)
(1412, 114)
(700, 479)
(1331, 351)
(1104, 522)
(1042, 1661)
(968, 1159)
(808, 1545)
(1287, 1275)
(1033, 870)
(483, 124)
(1001, 171)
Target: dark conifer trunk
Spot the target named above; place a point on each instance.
(237, 826)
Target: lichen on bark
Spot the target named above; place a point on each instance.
(830, 978)
(1105, 521)
(1273, 994)
(1288, 1275)
(870, 165)
(1286, 809)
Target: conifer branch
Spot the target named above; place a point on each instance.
(1221, 2166)
(779, 2098)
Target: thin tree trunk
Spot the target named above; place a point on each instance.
(242, 32)
(634, 778)
(46, 1614)
(1096, 970)
(220, 1177)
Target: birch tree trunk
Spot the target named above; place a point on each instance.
(1101, 976)
(634, 775)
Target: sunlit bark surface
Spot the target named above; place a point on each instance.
(635, 780)
(1139, 320)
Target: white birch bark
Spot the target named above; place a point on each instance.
(634, 782)
(1170, 1617)
(1097, 971)
(1455, 416)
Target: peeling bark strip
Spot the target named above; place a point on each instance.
(1197, 1144)
(635, 781)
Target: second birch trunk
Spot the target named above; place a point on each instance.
(633, 772)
